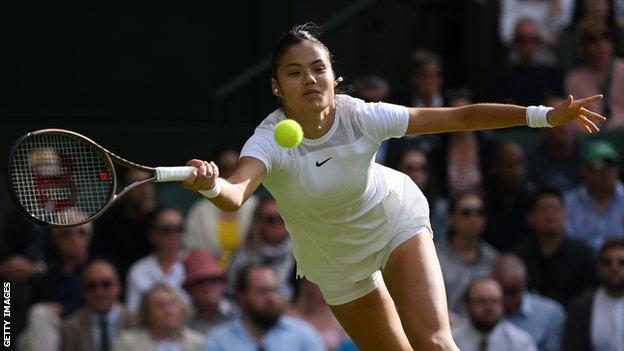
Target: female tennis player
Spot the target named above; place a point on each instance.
(351, 220)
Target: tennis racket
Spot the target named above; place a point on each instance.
(59, 178)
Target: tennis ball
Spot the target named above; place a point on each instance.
(288, 133)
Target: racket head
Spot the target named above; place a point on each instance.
(58, 178)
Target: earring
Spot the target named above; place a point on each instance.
(275, 91)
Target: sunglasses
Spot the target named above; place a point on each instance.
(92, 285)
(592, 38)
(528, 40)
(272, 219)
(607, 262)
(471, 212)
(416, 168)
(170, 228)
(209, 280)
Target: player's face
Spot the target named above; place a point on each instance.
(305, 80)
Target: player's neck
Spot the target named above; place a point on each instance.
(315, 124)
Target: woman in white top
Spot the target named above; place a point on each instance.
(349, 217)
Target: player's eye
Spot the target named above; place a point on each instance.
(293, 73)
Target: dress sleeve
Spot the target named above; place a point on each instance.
(262, 146)
(383, 121)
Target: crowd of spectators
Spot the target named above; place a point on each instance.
(530, 240)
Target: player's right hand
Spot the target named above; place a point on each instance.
(204, 177)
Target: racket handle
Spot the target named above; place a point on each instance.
(173, 174)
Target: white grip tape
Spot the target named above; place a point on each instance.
(173, 174)
(536, 117)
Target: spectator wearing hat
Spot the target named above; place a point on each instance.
(205, 283)
(596, 208)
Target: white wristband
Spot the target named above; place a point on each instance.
(212, 193)
(536, 116)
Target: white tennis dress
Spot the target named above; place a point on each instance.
(344, 212)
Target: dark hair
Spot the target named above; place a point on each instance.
(460, 195)
(542, 192)
(617, 243)
(242, 278)
(153, 216)
(308, 31)
(420, 58)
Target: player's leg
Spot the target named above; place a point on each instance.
(372, 322)
(414, 279)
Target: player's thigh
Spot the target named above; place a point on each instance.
(414, 279)
(372, 322)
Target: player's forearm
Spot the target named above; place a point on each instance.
(465, 118)
(492, 116)
(231, 196)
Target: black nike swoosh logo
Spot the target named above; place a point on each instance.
(319, 164)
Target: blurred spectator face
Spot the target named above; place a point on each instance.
(602, 177)
(101, 287)
(141, 199)
(207, 291)
(205, 281)
(596, 8)
(509, 165)
(227, 162)
(468, 218)
(261, 302)
(415, 165)
(166, 234)
(427, 81)
(164, 311)
(372, 88)
(485, 304)
(73, 243)
(611, 269)
(513, 286)
(548, 216)
(271, 223)
(527, 39)
(596, 43)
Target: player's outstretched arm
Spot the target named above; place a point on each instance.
(493, 116)
(232, 192)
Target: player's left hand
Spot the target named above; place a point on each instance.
(571, 110)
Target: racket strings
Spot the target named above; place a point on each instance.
(59, 178)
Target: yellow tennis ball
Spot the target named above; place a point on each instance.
(288, 133)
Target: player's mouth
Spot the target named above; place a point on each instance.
(311, 92)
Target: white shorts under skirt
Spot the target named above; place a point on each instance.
(337, 290)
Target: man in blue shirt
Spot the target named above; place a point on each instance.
(596, 208)
(262, 326)
(540, 316)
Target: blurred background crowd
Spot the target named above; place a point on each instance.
(528, 224)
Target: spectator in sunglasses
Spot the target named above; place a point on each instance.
(596, 320)
(531, 73)
(601, 72)
(57, 293)
(463, 255)
(596, 208)
(164, 265)
(96, 325)
(540, 316)
(205, 283)
(268, 243)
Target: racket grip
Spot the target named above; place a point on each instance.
(173, 174)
